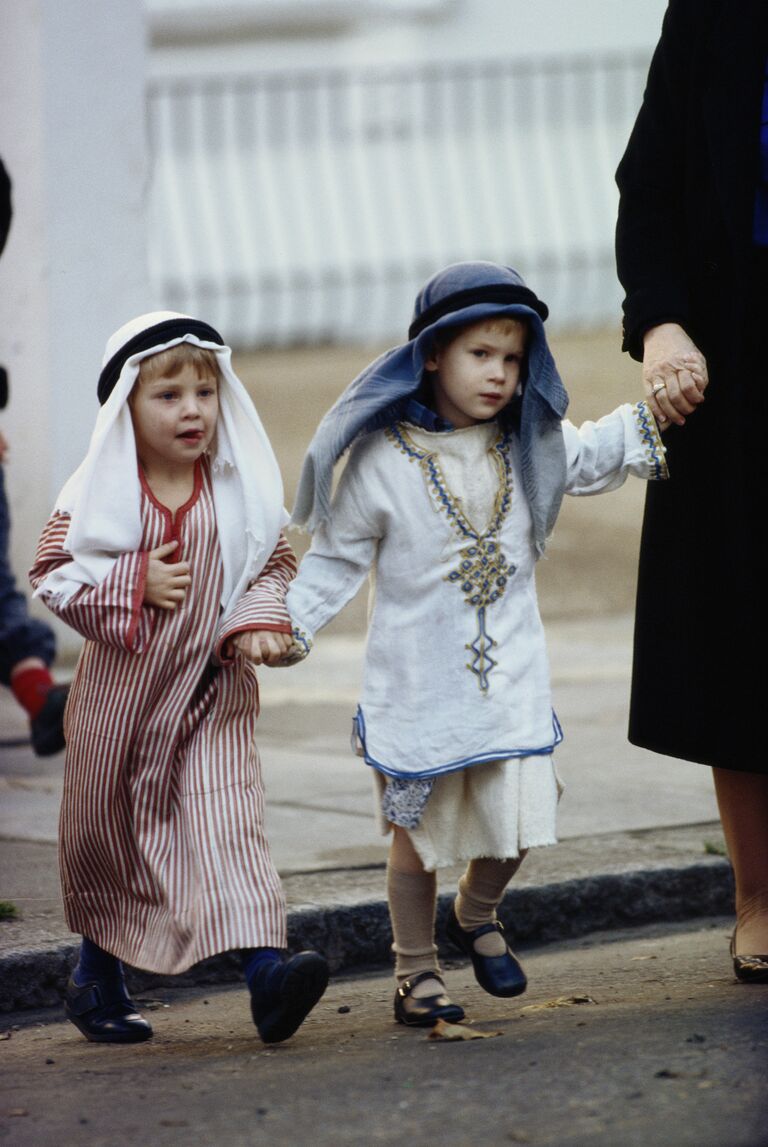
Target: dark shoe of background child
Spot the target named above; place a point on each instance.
(47, 726)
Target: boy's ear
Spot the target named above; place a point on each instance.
(431, 363)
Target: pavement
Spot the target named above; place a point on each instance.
(640, 841)
(631, 1038)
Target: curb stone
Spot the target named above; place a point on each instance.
(356, 936)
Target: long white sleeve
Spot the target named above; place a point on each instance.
(601, 455)
(341, 555)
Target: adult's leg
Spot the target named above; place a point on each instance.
(743, 802)
(27, 649)
(21, 637)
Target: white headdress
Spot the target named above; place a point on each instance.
(103, 496)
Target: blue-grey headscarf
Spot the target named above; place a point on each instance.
(462, 294)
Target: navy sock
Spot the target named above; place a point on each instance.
(255, 958)
(95, 964)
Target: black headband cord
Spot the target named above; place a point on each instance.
(153, 336)
(493, 293)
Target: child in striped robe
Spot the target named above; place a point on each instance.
(165, 551)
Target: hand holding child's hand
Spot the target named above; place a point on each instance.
(166, 584)
(261, 646)
(674, 374)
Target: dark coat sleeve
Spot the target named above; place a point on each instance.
(652, 176)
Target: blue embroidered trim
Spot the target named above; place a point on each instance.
(358, 724)
(484, 570)
(482, 663)
(303, 642)
(649, 433)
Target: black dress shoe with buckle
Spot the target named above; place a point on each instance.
(425, 1011)
(498, 975)
(284, 993)
(103, 1012)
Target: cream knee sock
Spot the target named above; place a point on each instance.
(480, 891)
(412, 899)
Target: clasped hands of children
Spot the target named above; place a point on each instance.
(166, 588)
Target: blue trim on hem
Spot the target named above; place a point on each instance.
(358, 723)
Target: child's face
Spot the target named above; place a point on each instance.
(478, 373)
(174, 419)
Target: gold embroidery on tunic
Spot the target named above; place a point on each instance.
(483, 570)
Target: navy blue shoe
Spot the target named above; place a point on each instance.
(102, 1011)
(283, 994)
(498, 975)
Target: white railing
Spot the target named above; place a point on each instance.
(310, 207)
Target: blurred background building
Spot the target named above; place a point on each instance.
(292, 170)
(313, 161)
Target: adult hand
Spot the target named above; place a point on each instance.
(167, 583)
(674, 373)
(261, 646)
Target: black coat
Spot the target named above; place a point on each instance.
(685, 253)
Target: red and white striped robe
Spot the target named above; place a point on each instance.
(162, 849)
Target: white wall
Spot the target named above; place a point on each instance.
(72, 137)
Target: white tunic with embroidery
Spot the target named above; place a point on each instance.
(456, 672)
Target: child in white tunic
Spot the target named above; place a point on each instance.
(165, 551)
(459, 460)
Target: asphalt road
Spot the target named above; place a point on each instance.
(671, 1052)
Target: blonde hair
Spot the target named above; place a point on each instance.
(503, 324)
(169, 363)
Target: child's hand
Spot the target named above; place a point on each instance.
(166, 584)
(261, 646)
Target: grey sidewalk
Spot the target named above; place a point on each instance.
(639, 834)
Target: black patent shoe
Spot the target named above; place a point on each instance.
(284, 993)
(749, 969)
(498, 975)
(424, 1012)
(103, 1012)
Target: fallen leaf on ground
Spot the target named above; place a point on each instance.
(5, 1035)
(443, 1030)
(13, 1111)
(560, 1002)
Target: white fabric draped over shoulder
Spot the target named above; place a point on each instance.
(102, 497)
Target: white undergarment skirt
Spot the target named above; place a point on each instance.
(493, 810)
